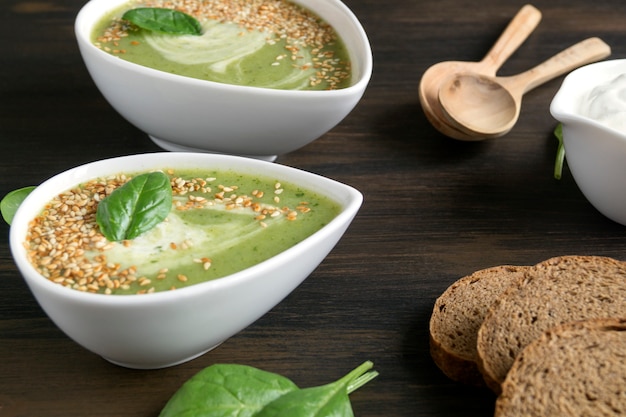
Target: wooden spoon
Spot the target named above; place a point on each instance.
(484, 106)
(520, 27)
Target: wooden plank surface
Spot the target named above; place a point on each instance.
(435, 209)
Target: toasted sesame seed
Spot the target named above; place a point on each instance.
(143, 281)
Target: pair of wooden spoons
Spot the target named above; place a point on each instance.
(466, 101)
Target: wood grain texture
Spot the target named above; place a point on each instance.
(435, 210)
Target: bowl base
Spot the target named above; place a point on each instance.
(148, 366)
(169, 146)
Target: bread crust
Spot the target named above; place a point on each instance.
(553, 292)
(456, 318)
(574, 369)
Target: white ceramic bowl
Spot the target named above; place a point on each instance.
(186, 114)
(596, 153)
(167, 328)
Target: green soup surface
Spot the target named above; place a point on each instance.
(221, 222)
(261, 43)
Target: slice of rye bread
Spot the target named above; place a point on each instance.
(553, 292)
(457, 316)
(576, 369)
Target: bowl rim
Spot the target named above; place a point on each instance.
(50, 187)
(83, 26)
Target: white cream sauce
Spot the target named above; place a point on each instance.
(606, 104)
(222, 47)
(152, 249)
(219, 45)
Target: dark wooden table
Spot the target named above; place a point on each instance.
(435, 209)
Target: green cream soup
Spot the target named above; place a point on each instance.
(220, 223)
(262, 43)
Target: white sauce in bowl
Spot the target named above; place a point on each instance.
(606, 104)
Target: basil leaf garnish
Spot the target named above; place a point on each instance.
(135, 207)
(227, 390)
(11, 202)
(163, 20)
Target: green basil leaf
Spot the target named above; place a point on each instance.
(223, 390)
(330, 400)
(163, 20)
(560, 153)
(11, 202)
(135, 207)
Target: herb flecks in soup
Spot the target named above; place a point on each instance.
(220, 223)
(262, 43)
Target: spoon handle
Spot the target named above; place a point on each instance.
(582, 53)
(517, 31)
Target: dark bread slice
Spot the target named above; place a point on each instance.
(553, 292)
(576, 369)
(457, 316)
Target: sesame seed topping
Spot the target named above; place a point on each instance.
(282, 20)
(65, 245)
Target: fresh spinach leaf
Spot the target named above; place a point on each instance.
(327, 400)
(163, 20)
(135, 207)
(11, 202)
(560, 153)
(229, 390)
(223, 390)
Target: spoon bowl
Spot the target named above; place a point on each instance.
(520, 27)
(430, 84)
(478, 105)
(484, 106)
